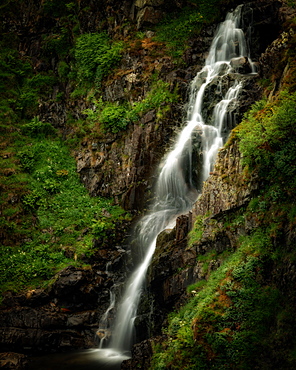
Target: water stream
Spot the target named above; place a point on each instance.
(175, 190)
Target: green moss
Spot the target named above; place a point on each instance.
(222, 326)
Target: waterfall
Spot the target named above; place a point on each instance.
(175, 189)
(104, 328)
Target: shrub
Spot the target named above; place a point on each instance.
(95, 56)
(115, 118)
(177, 28)
(267, 139)
(36, 128)
(196, 233)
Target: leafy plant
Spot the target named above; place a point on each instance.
(267, 139)
(177, 28)
(36, 128)
(114, 117)
(196, 233)
(65, 218)
(95, 56)
(222, 324)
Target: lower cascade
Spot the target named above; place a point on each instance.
(177, 188)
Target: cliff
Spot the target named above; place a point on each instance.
(228, 282)
(225, 267)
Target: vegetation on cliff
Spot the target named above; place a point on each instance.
(51, 219)
(52, 59)
(241, 315)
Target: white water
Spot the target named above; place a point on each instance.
(175, 192)
(104, 331)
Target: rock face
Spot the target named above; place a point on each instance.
(10, 360)
(227, 190)
(150, 12)
(241, 65)
(66, 315)
(175, 265)
(227, 187)
(121, 167)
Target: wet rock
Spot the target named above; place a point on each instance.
(71, 287)
(36, 297)
(141, 356)
(241, 65)
(13, 361)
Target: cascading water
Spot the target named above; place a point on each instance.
(175, 190)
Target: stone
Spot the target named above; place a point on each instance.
(183, 226)
(226, 187)
(12, 360)
(143, 3)
(141, 355)
(241, 65)
(148, 15)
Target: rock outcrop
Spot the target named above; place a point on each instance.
(227, 190)
(175, 266)
(11, 360)
(66, 315)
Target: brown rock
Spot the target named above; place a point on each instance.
(12, 360)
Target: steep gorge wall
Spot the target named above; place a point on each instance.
(121, 166)
(225, 195)
(229, 188)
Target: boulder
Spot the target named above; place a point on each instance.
(148, 15)
(241, 65)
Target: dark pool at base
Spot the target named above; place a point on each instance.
(80, 360)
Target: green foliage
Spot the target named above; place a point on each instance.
(177, 28)
(54, 8)
(31, 89)
(56, 44)
(159, 97)
(292, 3)
(39, 129)
(268, 143)
(222, 325)
(114, 117)
(65, 218)
(196, 233)
(194, 288)
(29, 263)
(95, 56)
(63, 69)
(14, 71)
